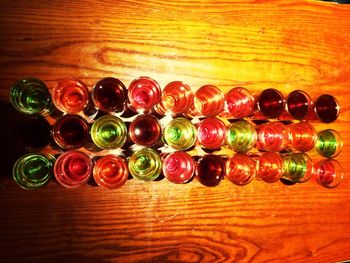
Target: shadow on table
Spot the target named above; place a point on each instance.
(10, 150)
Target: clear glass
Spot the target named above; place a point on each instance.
(177, 97)
(70, 95)
(329, 173)
(33, 132)
(110, 171)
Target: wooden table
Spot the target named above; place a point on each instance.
(287, 45)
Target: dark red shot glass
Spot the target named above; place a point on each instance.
(70, 132)
(270, 103)
(299, 105)
(326, 108)
(145, 130)
(109, 95)
(210, 170)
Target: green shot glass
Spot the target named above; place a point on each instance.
(298, 167)
(33, 170)
(180, 134)
(145, 164)
(329, 143)
(108, 132)
(31, 96)
(241, 136)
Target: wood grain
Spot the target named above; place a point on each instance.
(283, 44)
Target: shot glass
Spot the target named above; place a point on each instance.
(298, 167)
(299, 105)
(208, 101)
(108, 132)
(211, 133)
(110, 171)
(239, 103)
(329, 143)
(180, 134)
(329, 173)
(210, 170)
(269, 167)
(33, 170)
(177, 97)
(240, 169)
(178, 167)
(31, 96)
(145, 164)
(73, 169)
(241, 136)
(145, 130)
(327, 108)
(144, 93)
(272, 136)
(109, 95)
(303, 136)
(70, 131)
(270, 103)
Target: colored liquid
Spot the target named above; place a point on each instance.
(329, 143)
(180, 134)
(208, 101)
(33, 133)
(110, 171)
(73, 169)
(145, 130)
(239, 103)
(210, 170)
(327, 108)
(109, 95)
(298, 167)
(303, 136)
(178, 167)
(70, 95)
(144, 93)
(32, 171)
(70, 132)
(31, 96)
(145, 164)
(240, 169)
(270, 167)
(211, 133)
(272, 136)
(177, 97)
(108, 132)
(241, 136)
(329, 173)
(299, 104)
(270, 103)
